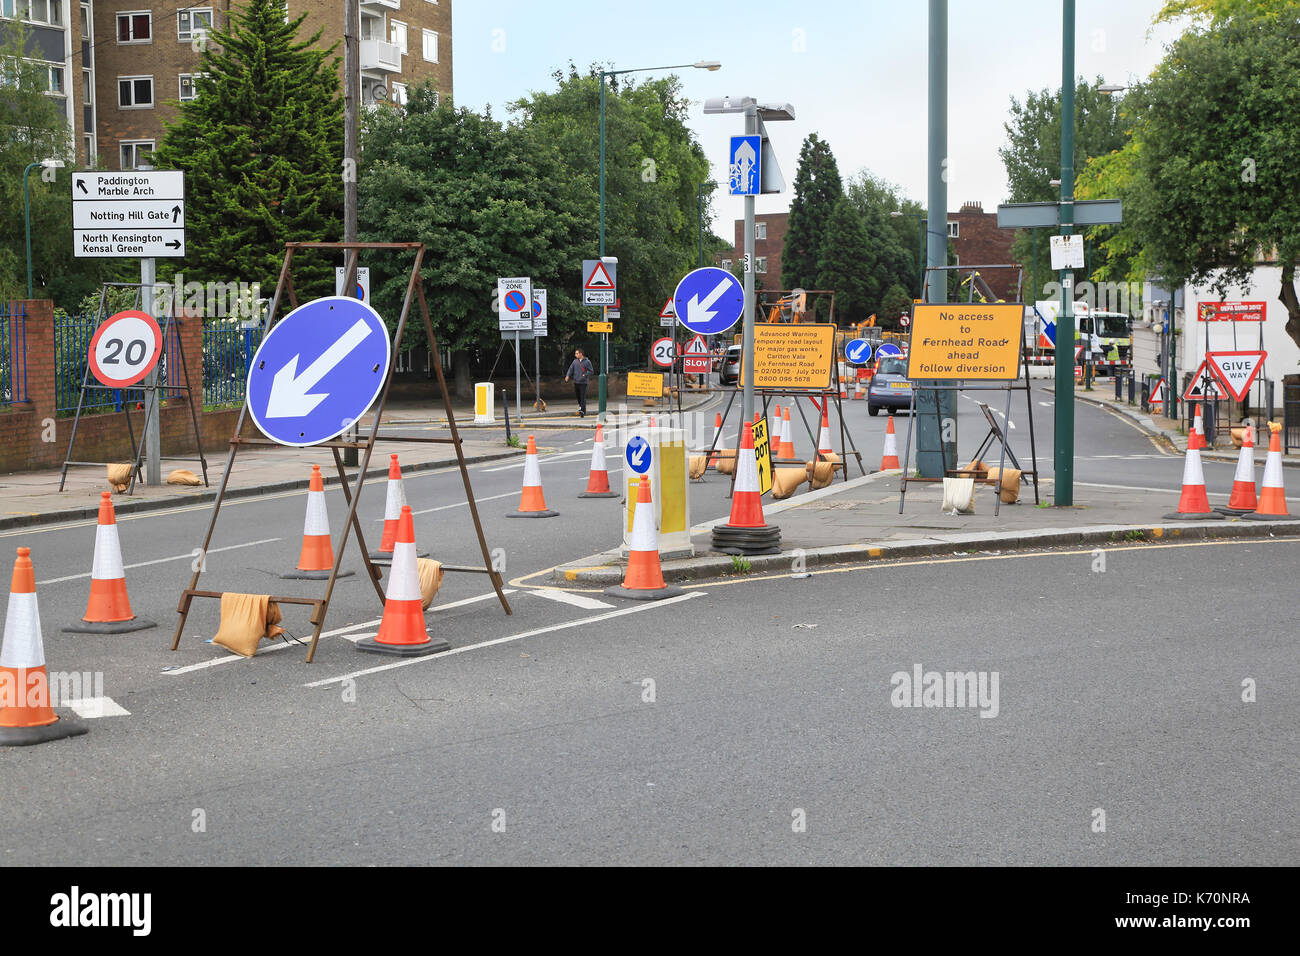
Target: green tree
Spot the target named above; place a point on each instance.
(845, 247)
(261, 145)
(894, 303)
(817, 190)
(891, 240)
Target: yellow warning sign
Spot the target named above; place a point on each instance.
(793, 356)
(645, 384)
(600, 326)
(762, 455)
(966, 340)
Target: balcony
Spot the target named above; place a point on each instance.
(386, 4)
(380, 56)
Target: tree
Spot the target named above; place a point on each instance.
(817, 189)
(894, 303)
(890, 257)
(845, 247)
(1215, 181)
(261, 145)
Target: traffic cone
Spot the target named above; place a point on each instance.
(1193, 503)
(858, 392)
(787, 442)
(26, 712)
(890, 457)
(1196, 438)
(773, 430)
(316, 560)
(1242, 500)
(717, 438)
(394, 502)
(402, 630)
(644, 579)
(532, 503)
(1272, 496)
(598, 479)
(824, 435)
(108, 611)
(745, 531)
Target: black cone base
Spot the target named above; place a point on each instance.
(108, 627)
(644, 594)
(1178, 516)
(533, 514)
(1256, 516)
(599, 494)
(435, 645)
(26, 736)
(732, 540)
(297, 575)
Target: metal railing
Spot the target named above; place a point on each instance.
(13, 354)
(72, 336)
(1290, 416)
(227, 355)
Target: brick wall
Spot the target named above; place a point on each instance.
(981, 242)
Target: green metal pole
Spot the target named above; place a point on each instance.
(27, 215)
(1064, 451)
(701, 191)
(601, 388)
(920, 257)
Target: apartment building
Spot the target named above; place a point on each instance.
(121, 67)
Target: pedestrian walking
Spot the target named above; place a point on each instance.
(580, 371)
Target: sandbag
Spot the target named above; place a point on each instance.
(959, 496)
(245, 620)
(698, 465)
(726, 465)
(183, 476)
(822, 472)
(1010, 493)
(119, 477)
(431, 573)
(786, 481)
(976, 469)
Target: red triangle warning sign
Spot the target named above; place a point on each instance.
(696, 346)
(1157, 393)
(1194, 391)
(669, 311)
(1236, 370)
(599, 278)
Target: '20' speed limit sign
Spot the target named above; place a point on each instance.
(125, 348)
(661, 352)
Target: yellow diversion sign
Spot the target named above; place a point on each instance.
(966, 340)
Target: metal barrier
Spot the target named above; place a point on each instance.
(72, 335)
(1290, 416)
(13, 354)
(227, 354)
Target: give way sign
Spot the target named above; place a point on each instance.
(1236, 370)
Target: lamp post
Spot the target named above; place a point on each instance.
(27, 210)
(920, 248)
(709, 65)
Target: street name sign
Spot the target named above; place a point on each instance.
(514, 304)
(709, 300)
(858, 351)
(318, 370)
(638, 454)
(599, 282)
(1236, 370)
(128, 215)
(1046, 215)
(968, 340)
(125, 348)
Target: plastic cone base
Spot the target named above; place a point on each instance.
(643, 594)
(376, 557)
(436, 645)
(1256, 516)
(26, 736)
(1234, 512)
(733, 540)
(598, 494)
(1179, 516)
(108, 627)
(542, 514)
(297, 575)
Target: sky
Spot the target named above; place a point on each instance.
(855, 71)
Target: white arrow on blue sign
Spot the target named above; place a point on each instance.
(858, 351)
(709, 300)
(638, 454)
(318, 370)
(888, 349)
(745, 165)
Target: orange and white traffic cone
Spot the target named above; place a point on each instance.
(316, 560)
(108, 611)
(1272, 495)
(859, 392)
(745, 531)
(890, 457)
(532, 503)
(598, 479)
(824, 435)
(26, 711)
(644, 579)
(402, 630)
(1196, 438)
(787, 437)
(1242, 500)
(1193, 503)
(717, 439)
(394, 502)
(773, 430)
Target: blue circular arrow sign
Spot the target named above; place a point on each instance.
(709, 300)
(638, 454)
(888, 349)
(858, 351)
(318, 370)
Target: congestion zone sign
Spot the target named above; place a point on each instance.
(966, 341)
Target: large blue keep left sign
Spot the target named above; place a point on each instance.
(318, 370)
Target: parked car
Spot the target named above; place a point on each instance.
(729, 373)
(890, 387)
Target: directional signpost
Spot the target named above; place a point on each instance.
(638, 454)
(318, 370)
(858, 351)
(128, 215)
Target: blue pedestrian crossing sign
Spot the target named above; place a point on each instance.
(709, 300)
(745, 161)
(638, 454)
(858, 351)
(888, 349)
(318, 370)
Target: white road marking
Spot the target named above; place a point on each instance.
(459, 504)
(646, 606)
(1163, 491)
(565, 597)
(179, 557)
(92, 707)
(541, 458)
(337, 632)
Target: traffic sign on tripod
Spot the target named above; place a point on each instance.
(696, 360)
(888, 350)
(125, 348)
(318, 370)
(709, 300)
(661, 352)
(858, 351)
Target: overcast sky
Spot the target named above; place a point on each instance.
(854, 70)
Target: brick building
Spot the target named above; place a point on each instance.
(120, 66)
(769, 240)
(977, 240)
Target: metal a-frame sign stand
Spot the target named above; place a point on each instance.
(414, 293)
(151, 407)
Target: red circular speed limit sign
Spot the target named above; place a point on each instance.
(661, 352)
(125, 348)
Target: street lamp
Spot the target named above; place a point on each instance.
(920, 263)
(1109, 88)
(27, 210)
(709, 65)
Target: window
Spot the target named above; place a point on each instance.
(135, 92)
(726, 263)
(85, 21)
(399, 94)
(760, 230)
(187, 86)
(54, 80)
(136, 153)
(760, 263)
(954, 230)
(431, 46)
(35, 11)
(87, 88)
(135, 27)
(89, 140)
(192, 22)
(397, 34)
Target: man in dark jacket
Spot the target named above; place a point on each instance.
(580, 371)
